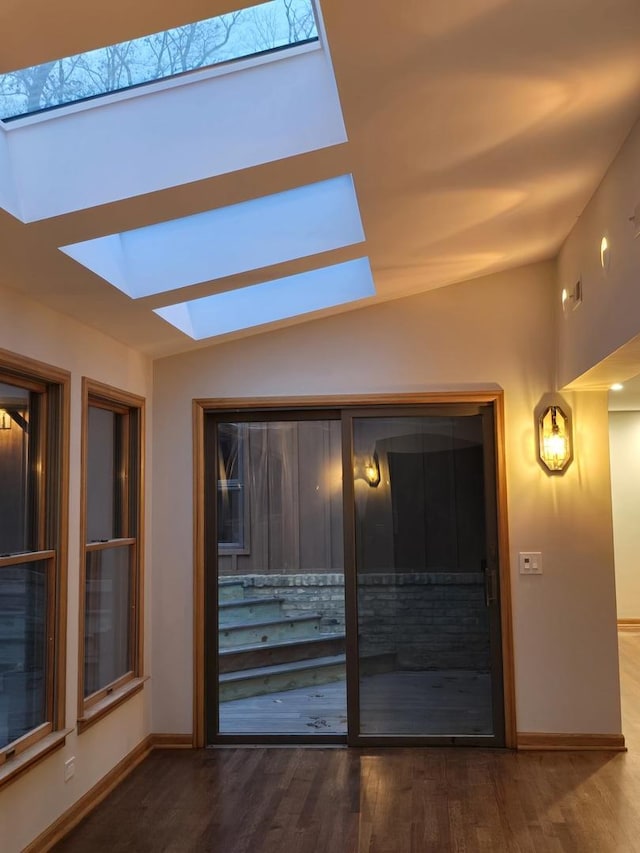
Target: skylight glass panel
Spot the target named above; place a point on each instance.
(254, 30)
(280, 299)
(218, 243)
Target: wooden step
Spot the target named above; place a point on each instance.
(239, 612)
(230, 589)
(270, 654)
(281, 677)
(269, 631)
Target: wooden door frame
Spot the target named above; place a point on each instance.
(244, 405)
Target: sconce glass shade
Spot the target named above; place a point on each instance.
(372, 471)
(554, 439)
(5, 420)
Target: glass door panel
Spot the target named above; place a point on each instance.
(428, 627)
(280, 578)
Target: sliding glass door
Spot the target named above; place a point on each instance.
(352, 588)
(426, 652)
(276, 493)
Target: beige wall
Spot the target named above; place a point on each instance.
(624, 431)
(493, 331)
(35, 800)
(610, 312)
(497, 330)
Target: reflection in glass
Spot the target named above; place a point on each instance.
(281, 631)
(420, 545)
(23, 647)
(18, 492)
(107, 631)
(101, 475)
(268, 26)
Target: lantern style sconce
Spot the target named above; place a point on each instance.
(5, 420)
(368, 469)
(554, 439)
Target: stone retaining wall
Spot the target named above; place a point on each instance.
(434, 620)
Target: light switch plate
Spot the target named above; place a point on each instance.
(530, 562)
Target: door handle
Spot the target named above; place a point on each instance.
(490, 592)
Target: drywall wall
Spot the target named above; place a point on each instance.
(624, 434)
(609, 315)
(495, 330)
(32, 802)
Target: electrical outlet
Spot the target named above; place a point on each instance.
(69, 768)
(530, 563)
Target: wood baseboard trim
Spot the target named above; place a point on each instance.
(629, 625)
(171, 741)
(79, 810)
(67, 821)
(547, 741)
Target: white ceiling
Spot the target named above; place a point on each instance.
(478, 130)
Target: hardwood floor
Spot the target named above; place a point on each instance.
(290, 800)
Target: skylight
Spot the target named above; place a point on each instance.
(251, 235)
(275, 300)
(268, 26)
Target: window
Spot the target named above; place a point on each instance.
(33, 488)
(111, 588)
(233, 510)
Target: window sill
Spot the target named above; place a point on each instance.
(28, 758)
(100, 709)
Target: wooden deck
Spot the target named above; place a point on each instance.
(296, 800)
(429, 703)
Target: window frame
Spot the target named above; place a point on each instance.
(130, 533)
(49, 547)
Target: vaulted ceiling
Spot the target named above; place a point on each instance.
(476, 133)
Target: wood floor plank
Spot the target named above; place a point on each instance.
(297, 800)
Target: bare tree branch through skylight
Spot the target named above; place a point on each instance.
(269, 26)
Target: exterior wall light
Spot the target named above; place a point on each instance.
(368, 469)
(5, 420)
(554, 440)
(605, 254)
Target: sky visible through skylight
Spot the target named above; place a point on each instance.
(257, 29)
(270, 301)
(251, 235)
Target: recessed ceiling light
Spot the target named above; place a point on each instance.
(617, 386)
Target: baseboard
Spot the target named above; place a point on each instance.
(171, 741)
(79, 810)
(629, 625)
(530, 741)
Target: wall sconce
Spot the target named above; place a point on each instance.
(368, 469)
(605, 254)
(635, 219)
(572, 298)
(5, 420)
(554, 439)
